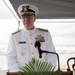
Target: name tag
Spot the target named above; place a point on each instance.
(22, 42)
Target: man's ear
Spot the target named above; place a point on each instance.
(34, 18)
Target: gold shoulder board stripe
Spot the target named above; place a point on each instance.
(16, 32)
(43, 29)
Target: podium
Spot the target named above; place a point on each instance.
(63, 73)
(69, 72)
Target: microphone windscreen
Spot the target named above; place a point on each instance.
(37, 44)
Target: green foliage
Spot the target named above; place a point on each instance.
(36, 67)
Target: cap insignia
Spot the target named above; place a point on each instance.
(25, 8)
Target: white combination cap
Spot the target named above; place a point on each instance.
(28, 9)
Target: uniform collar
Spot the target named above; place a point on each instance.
(30, 31)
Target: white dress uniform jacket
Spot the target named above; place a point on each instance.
(21, 48)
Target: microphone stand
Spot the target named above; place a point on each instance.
(38, 45)
(68, 69)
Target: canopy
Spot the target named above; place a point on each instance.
(49, 9)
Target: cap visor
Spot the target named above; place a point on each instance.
(27, 13)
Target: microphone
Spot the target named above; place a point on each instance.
(38, 45)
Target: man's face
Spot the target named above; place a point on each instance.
(28, 21)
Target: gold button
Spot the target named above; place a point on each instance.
(31, 43)
(30, 34)
(32, 52)
(22, 53)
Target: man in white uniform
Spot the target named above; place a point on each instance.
(21, 46)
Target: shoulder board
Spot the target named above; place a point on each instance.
(43, 29)
(16, 32)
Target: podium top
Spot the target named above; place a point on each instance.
(63, 73)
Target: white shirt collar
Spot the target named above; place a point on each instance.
(30, 31)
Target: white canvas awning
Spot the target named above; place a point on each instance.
(49, 9)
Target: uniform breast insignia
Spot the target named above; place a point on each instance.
(16, 32)
(43, 29)
(40, 38)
